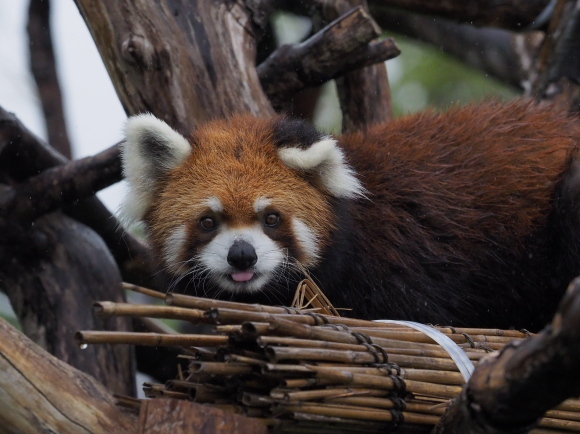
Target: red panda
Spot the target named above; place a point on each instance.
(466, 218)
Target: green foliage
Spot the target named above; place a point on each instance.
(424, 77)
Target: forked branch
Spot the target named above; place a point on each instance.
(342, 46)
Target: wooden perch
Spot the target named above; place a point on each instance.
(342, 46)
(39, 393)
(511, 390)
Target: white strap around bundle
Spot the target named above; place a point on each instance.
(455, 352)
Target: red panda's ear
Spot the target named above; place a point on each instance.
(326, 160)
(151, 148)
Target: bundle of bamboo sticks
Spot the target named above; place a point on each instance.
(300, 370)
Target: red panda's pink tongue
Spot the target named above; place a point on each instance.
(242, 276)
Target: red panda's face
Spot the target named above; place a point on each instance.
(240, 202)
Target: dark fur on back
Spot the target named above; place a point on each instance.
(473, 218)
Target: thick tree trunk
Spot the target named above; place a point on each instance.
(185, 62)
(39, 393)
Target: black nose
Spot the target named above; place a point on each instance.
(242, 255)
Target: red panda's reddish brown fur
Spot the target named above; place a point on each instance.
(470, 217)
(243, 147)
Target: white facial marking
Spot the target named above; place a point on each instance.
(307, 240)
(327, 159)
(261, 203)
(141, 167)
(214, 258)
(214, 204)
(173, 249)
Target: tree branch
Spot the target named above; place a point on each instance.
(23, 155)
(364, 94)
(512, 15)
(342, 46)
(489, 50)
(42, 65)
(510, 391)
(556, 73)
(64, 184)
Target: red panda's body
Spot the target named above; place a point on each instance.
(465, 218)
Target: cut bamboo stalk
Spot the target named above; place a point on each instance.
(425, 375)
(364, 401)
(312, 395)
(188, 301)
(276, 354)
(388, 383)
(216, 368)
(417, 336)
(568, 415)
(244, 359)
(308, 423)
(352, 412)
(235, 328)
(106, 309)
(148, 339)
(568, 425)
(264, 341)
(142, 290)
(337, 373)
(569, 405)
(300, 383)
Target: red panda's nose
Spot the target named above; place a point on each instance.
(242, 255)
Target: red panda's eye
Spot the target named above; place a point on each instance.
(208, 223)
(272, 220)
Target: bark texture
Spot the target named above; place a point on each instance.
(183, 416)
(40, 393)
(342, 46)
(203, 71)
(364, 94)
(52, 274)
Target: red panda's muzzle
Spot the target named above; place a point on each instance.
(242, 255)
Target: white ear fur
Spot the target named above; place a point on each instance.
(327, 159)
(151, 148)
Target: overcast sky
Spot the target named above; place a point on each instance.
(94, 115)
